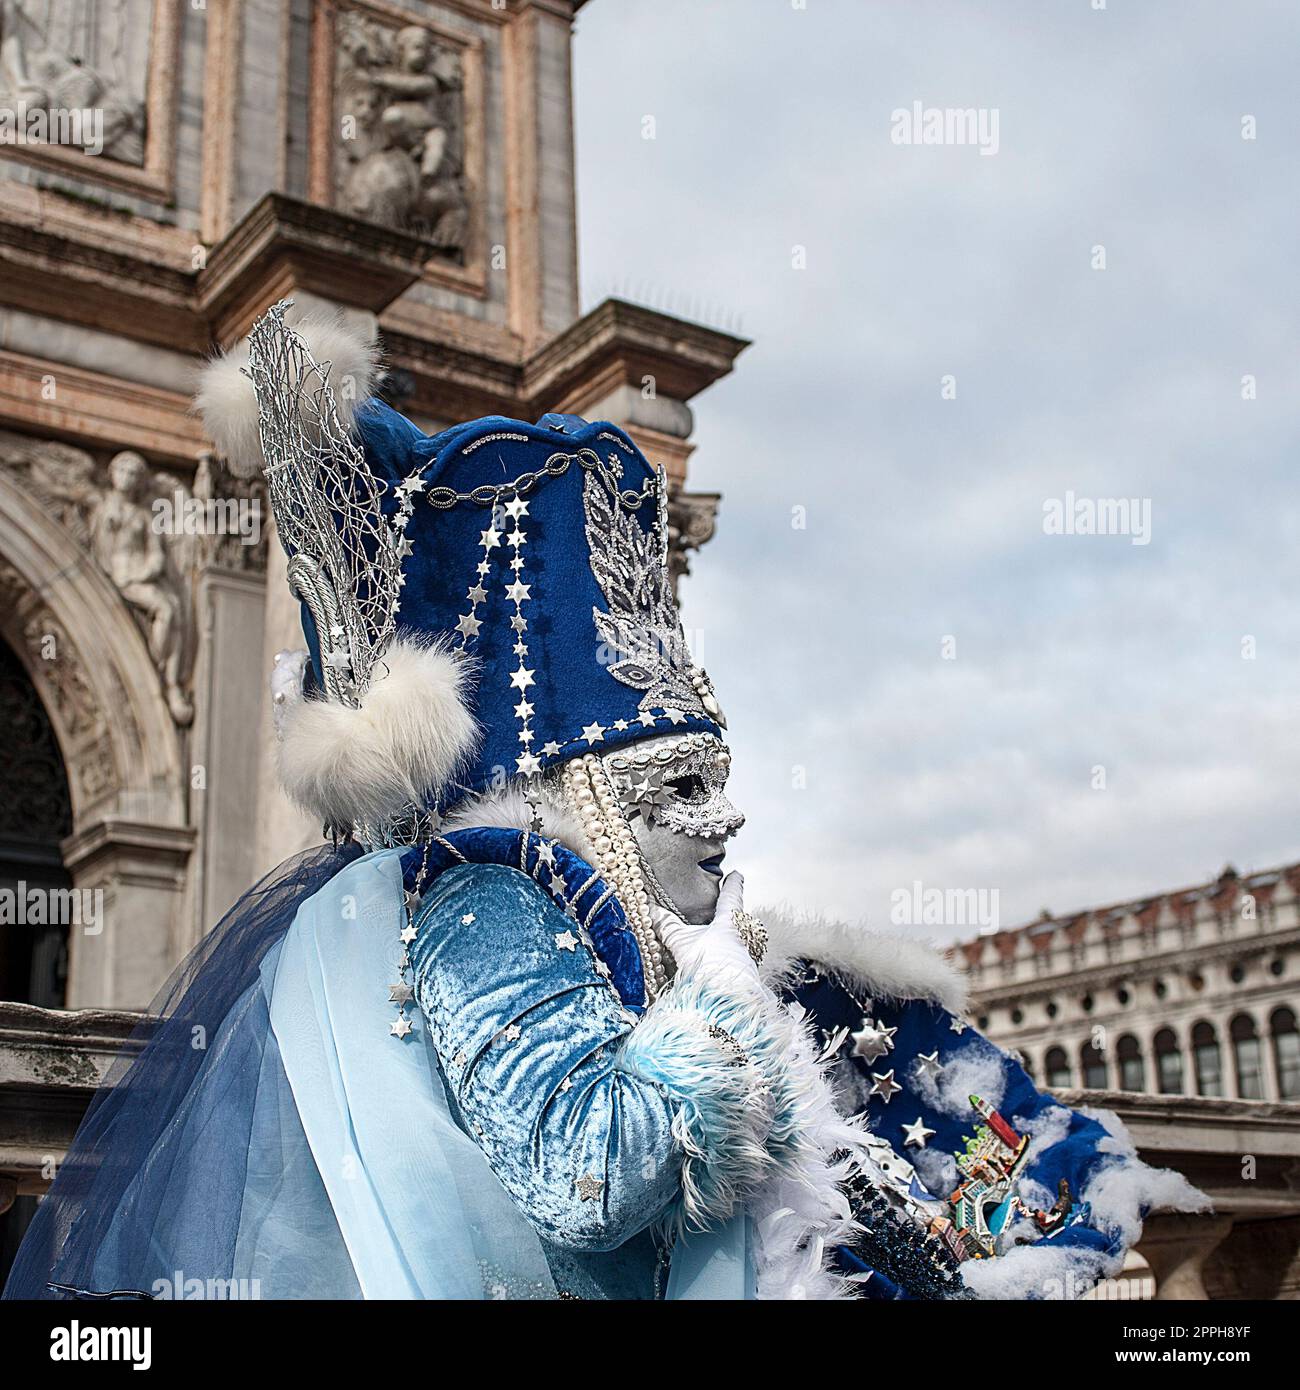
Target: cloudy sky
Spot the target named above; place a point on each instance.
(866, 758)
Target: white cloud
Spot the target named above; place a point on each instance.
(924, 516)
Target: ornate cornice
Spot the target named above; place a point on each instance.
(618, 343)
(1131, 969)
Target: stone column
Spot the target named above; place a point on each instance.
(282, 829)
(231, 705)
(1176, 1247)
(121, 960)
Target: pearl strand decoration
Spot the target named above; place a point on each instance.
(589, 792)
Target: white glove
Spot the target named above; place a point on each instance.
(287, 676)
(712, 952)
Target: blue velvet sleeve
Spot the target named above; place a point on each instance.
(596, 1124)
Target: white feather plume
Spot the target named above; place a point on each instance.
(225, 399)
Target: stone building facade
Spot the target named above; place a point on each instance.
(1179, 1011)
(409, 165)
(168, 170)
(1194, 992)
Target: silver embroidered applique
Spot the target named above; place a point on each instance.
(642, 642)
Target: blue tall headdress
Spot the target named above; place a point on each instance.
(478, 605)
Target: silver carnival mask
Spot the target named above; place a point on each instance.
(671, 789)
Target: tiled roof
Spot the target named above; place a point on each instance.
(1220, 894)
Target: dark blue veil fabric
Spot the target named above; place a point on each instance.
(165, 1111)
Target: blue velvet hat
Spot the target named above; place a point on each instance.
(541, 552)
(478, 605)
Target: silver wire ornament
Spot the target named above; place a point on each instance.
(345, 557)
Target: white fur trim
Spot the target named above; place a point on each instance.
(410, 735)
(225, 398)
(878, 964)
(508, 809)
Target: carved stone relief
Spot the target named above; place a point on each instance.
(400, 128)
(63, 678)
(150, 534)
(692, 519)
(59, 673)
(60, 57)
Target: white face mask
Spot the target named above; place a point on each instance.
(670, 788)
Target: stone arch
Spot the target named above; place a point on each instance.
(90, 665)
(94, 672)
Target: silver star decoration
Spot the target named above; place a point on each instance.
(528, 764)
(831, 1042)
(957, 1026)
(519, 623)
(516, 508)
(490, 539)
(518, 591)
(593, 733)
(590, 1188)
(550, 749)
(468, 920)
(408, 934)
(518, 537)
(414, 483)
(521, 679)
(523, 709)
(917, 1134)
(566, 941)
(412, 899)
(401, 1027)
(557, 882)
(929, 1065)
(460, 1059)
(468, 625)
(871, 1042)
(399, 993)
(546, 853)
(338, 660)
(648, 719)
(566, 1084)
(885, 1086)
(513, 1033)
(620, 725)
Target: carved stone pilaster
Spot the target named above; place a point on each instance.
(692, 520)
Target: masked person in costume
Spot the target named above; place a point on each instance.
(511, 1033)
